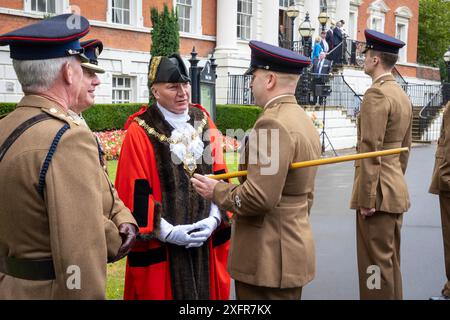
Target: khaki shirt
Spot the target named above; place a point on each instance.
(385, 122)
(440, 183)
(271, 240)
(75, 224)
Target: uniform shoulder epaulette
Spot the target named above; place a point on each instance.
(61, 116)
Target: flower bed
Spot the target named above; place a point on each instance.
(111, 142)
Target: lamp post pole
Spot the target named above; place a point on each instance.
(323, 18)
(292, 13)
(446, 86)
(447, 63)
(306, 31)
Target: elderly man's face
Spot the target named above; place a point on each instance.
(86, 97)
(174, 97)
(75, 78)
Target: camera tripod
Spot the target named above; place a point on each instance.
(323, 134)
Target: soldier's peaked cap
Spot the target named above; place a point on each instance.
(92, 49)
(382, 42)
(47, 39)
(167, 69)
(272, 58)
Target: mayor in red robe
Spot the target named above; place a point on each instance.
(183, 241)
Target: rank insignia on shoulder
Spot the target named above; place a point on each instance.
(237, 201)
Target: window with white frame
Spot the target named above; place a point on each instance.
(352, 24)
(244, 19)
(377, 23)
(323, 5)
(401, 33)
(121, 11)
(122, 90)
(402, 17)
(377, 12)
(189, 15)
(185, 12)
(284, 3)
(46, 6)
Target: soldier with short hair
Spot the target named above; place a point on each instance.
(380, 194)
(61, 220)
(272, 254)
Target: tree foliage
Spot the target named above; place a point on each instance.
(165, 33)
(434, 32)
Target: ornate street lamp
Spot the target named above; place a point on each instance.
(323, 19)
(292, 12)
(447, 63)
(306, 31)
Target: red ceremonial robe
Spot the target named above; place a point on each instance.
(148, 273)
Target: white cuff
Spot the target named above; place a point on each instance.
(215, 212)
(164, 229)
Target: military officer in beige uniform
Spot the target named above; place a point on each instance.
(440, 185)
(380, 194)
(272, 253)
(60, 217)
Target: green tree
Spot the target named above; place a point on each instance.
(165, 33)
(165, 36)
(434, 33)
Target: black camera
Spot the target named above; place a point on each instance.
(322, 90)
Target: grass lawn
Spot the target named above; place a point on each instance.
(116, 271)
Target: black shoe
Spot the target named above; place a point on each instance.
(440, 298)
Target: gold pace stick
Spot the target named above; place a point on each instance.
(320, 162)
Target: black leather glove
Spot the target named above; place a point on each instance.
(128, 233)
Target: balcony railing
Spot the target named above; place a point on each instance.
(295, 46)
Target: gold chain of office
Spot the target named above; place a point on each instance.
(163, 138)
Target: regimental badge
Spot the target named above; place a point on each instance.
(237, 201)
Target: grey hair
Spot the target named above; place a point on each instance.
(39, 75)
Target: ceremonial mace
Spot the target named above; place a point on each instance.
(320, 162)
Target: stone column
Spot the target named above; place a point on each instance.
(226, 35)
(270, 23)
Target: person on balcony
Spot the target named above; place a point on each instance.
(323, 42)
(281, 37)
(320, 75)
(337, 41)
(329, 35)
(317, 49)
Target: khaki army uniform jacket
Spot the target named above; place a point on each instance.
(384, 122)
(271, 241)
(75, 223)
(440, 183)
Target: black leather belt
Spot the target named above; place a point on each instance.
(26, 269)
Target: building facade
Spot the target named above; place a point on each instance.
(222, 27)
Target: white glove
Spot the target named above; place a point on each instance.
(179, 235)
(206, 228)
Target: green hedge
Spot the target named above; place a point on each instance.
(236, 117)
(101, 117)
(6, 107)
